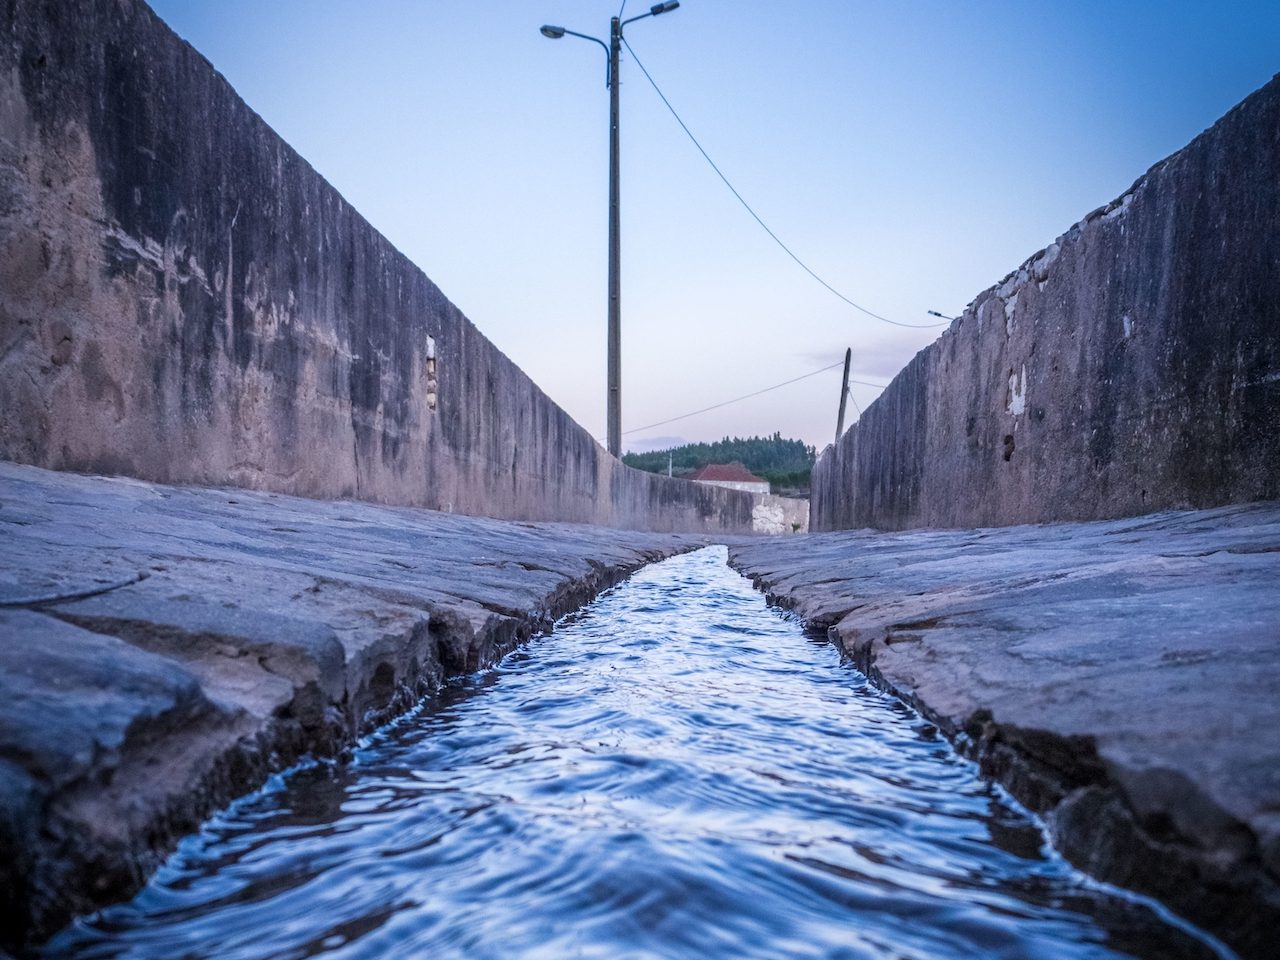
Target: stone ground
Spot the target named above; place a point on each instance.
(1121, 677)
(164, 649)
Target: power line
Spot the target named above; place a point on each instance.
(725, 403)
(747, 396)
(855, 402)
(804, 266)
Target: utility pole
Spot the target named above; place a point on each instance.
(612, 50)
(844, 394)
(615, 252)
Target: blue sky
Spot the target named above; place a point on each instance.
(911, 153)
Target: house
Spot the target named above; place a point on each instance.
(734, 476)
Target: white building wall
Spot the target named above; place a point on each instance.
(762, 487)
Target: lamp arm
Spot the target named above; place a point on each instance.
(633, 20)
(604, 46)
(653, 11)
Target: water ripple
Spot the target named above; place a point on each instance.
(676, 772)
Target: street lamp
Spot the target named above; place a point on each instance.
(612, 50)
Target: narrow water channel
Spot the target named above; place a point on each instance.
(677, 772)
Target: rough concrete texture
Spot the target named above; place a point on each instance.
(779, 515)
(1132, 366)
(163, 649)
(1121, 677)
(184, 299)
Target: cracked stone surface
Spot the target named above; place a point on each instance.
(1121, 677)
(164, 649)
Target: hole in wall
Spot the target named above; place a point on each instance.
(432, 384)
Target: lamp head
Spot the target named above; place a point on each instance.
(667, 7)
(552, 33)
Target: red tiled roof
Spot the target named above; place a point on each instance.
(734, 472)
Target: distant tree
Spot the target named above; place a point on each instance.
(786, 464)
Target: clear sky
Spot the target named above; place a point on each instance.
(912, 153)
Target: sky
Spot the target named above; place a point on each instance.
(912, 154)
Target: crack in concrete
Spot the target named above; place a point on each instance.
(80, 595)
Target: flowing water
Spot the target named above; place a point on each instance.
(677, 771)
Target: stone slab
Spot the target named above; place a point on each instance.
(1121, 677)
(164, 649)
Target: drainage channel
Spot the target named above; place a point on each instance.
(677, 771)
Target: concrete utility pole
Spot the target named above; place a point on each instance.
(612, 50)
(615, 251)
(844, 393)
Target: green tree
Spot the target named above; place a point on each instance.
(786, 464)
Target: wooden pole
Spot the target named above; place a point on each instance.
(844, 394)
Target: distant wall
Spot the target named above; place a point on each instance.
(184, 299)
(780, 515)
(1132, 366)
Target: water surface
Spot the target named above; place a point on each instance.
(676, 772)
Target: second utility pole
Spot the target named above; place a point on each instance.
(615, 252)
(844, 394)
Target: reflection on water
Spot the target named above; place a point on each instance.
(676, 772)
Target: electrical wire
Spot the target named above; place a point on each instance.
(748, 396)
(804, 266)
(849, 393)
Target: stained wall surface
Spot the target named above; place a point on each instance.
(780, 515)
(184, 299)
(1132, 366)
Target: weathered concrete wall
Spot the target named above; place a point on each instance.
(184, 299)
(777, 515)
(1134, 365)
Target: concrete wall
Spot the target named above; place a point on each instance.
(184, 299)
(1133, 365)
(780, 515)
